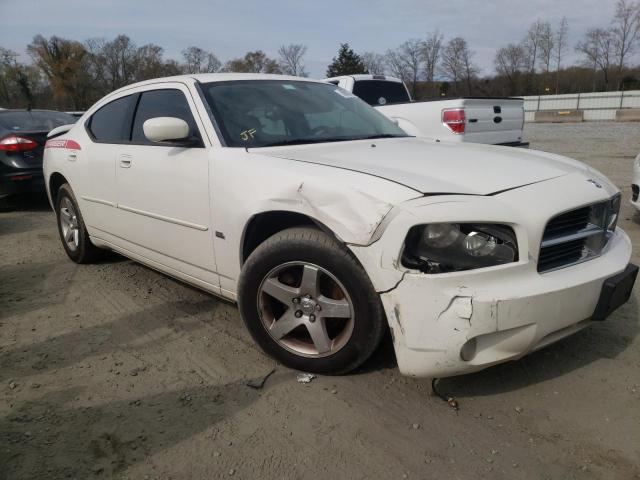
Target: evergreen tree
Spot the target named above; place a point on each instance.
(346, 63)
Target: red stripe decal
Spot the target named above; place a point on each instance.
(69, 144)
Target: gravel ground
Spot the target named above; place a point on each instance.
(116, 371)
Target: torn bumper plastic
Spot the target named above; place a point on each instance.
(444, 326)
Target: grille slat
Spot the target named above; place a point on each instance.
(559, 255)
(567, 223)
(560, 247)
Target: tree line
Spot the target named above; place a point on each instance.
(71, 75)
(433, 66)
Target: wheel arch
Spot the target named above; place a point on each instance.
(263, 225)
(56, 180)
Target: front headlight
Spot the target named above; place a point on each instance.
(452, 247)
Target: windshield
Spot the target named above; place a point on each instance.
(34, 121)
(263, 113)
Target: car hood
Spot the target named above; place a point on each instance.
(435, 167)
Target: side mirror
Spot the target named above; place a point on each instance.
(167, 129)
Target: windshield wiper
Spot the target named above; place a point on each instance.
(381, 135)
(302, 141)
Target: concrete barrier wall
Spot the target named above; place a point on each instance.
(628, 115)
(559, 116)
(597, 106)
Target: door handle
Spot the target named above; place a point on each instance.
(125, 161)
(72, 157)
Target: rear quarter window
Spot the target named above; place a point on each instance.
(110, 123)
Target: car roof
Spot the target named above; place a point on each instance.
(218, 77)
(365, 76)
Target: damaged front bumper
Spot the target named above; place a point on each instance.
(455, 323)
(464, 323)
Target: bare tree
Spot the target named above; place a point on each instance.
(431, 50)
(510, 61)
(410, 54)
(119, 56)
(291, 59)
(149, 63)
(560, 46)
(598, 50)
(376, 63)
(547, 44)
(198, 60)
(625, 32)
(396, 65)
(457, 62)
(531, 44)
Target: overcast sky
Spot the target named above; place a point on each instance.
(229, 29)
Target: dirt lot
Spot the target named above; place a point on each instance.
(116, 371)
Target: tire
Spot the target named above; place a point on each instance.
(277, 275)
(72, 229)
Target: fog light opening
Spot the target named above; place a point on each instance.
(468, 350)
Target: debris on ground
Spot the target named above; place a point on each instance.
(453, 403)
(519, 409)
(259, 382)
(305, 377)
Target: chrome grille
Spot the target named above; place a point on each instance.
(577, 235)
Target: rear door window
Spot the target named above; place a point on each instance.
(111, 123)
(161, 103)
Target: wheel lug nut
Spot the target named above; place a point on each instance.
(298, 313)
(312, 318)
(296, 300)
(307, 296)
(318, 307)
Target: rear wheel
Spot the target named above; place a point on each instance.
(308, 303)
(72, 230)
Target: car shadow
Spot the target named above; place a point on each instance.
(25, 202)
(55, 437)
(30, 286)
(73, 347)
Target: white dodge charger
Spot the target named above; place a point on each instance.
(327, 223)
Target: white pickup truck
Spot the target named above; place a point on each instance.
(497, 121)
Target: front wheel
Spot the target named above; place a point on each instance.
(308, 303)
